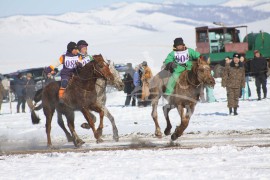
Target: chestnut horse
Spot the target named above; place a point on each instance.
(101, 85)
(80, 96)
(185, 96)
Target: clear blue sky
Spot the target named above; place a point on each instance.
(34, 7)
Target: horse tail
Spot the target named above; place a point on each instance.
(37, 98)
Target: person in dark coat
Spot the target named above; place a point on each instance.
(20, 92)
(49, 79)
(129, 86)
(2, 91)
(233, 80)
(258, 67)
(30, 90)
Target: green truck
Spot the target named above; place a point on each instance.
(221, 42)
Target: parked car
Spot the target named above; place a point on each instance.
(38, 75)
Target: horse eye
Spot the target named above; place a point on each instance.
(100, 65)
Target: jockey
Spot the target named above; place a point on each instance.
(70, 60)
(180, 59)
(82, 46)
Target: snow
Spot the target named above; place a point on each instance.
(243, 3)
(121, 33)
(210, 120)
(124, 35)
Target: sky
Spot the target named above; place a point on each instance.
(52, 7)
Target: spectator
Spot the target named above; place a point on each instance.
(128, 81)
(49, 79)
(210, 93)
(146, 76)
(137, 85)
(258, 67)
(2, 91)
(234, 80)
(246, 93)
(20, 92)
(30, 90)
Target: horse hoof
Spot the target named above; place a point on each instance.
(85, 126)
(99, 140)
(99, 132)
(167, 132)
(174, 137)
(78, 143)
(70, 139)
(116, 139)
(158, 135)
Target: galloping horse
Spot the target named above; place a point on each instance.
(186, 94)
(101, 85)
(80, 96)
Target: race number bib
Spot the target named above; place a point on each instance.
(70, 62)
(86, 60)
(181, 57)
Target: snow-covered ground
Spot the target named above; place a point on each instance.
(225, 161)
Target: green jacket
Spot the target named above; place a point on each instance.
(193, 56)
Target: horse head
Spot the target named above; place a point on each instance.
(203, 71)
(101, 68)
(117, 81)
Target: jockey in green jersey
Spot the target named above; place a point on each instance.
(180, 59)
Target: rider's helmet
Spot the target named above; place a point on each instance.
(71, 46)
(178, 41)
(81, 44)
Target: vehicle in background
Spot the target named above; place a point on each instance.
(221, 42)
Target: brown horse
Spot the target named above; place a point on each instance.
(80, 96)
(186, 94)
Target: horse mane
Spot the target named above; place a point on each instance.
(188, 75)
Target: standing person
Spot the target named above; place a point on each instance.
(146, 76)
(20, 92)
(30, 90)
(246, 93)
(137, 84)
(234, 80)
(128, 82)
(210, 92)
(180, 59)
(70, 61)
(2, 91)
(49, 78)
(258, 67)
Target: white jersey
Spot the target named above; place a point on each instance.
(181, 57)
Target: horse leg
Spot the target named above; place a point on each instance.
(185, 117)
(48, 111)
(100, 127)
(86, 125)
(62, 125)
(155, 118)
(111, 118)
(166, 110)
(70, 118)
(91, 123)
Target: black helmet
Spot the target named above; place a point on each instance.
(178, 41)
(71, 46)
(82, 43)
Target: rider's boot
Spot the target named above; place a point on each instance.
(61, 94)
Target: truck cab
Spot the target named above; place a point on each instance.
(219, 42)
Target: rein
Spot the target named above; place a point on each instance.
(188, 80)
